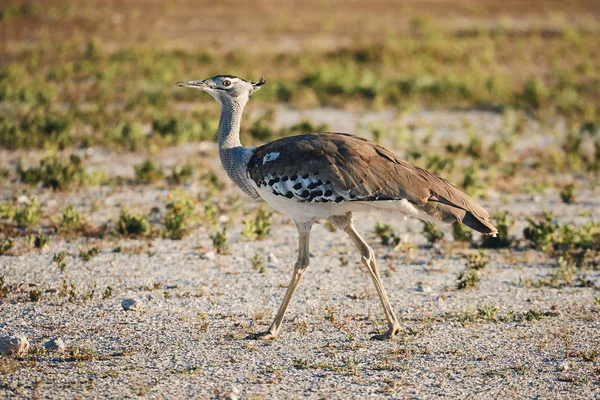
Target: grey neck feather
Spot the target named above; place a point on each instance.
(234, 157)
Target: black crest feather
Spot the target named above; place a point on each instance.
(260, 82)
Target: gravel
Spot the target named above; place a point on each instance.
(188, 339)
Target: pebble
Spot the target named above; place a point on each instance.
(56, 344)
(272, 261)
(234, 394)
(424, 289)
(211, 255)
(130, 304)
(564, 366)
(14, 345)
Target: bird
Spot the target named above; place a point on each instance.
(328, 176)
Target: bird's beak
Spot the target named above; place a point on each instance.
(193, 84)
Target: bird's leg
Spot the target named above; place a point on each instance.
(368, 258)
(299, 269)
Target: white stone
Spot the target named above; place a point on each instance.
(130, 304)
(56, 344)
(424, 289)
(14, 345)
(272, 261)
(210, 255)
(23, 200)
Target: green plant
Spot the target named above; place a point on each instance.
(87, 255)
(258, 264)
(55, 174)
(540, 232)
(567, 194)
(386, 235)
(503, 223)
(71, 219)
(59, 259)
(35, 295)
(461, 233)
(28, 215)
(6, 246)
(181, 175)
(7, 211)
(130, 224)
(219, 240)
(147, 172)
(258, 227)
(472, 182)
(470, 276)
(432, 233)
(487, 312)
(40, 241)
(107, 294)
(467, 279)
(179, 212)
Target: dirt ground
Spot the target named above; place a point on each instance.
(188, 337)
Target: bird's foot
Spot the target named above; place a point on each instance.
(268, 335)
(393, 331)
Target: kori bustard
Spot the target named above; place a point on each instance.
(328, 176)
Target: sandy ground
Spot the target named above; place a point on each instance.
(187, 340)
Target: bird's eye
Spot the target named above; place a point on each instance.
(226, 83)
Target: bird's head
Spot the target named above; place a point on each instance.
(225, 88)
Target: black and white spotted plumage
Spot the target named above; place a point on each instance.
(338, 168)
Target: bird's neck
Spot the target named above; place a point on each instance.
(234, 157)
(229, 125)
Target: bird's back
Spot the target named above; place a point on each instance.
(340, 168)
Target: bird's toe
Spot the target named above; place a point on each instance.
(262, 336)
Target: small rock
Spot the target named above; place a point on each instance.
(424, 289)
(14, 345)
(272, 261)
(223, 219)
(56, 344)
(211, 255)
(234, 394)
(23, 200)
(130, 304)
(564, 366)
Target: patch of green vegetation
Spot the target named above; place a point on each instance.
(7, 211)
(147, 172)
(386, 235)
(6, 246)
(134, 225)
(570, 247)
(432, 233)
(461, 233)
(57, 174)
(59, 259)
(472, 181)
(219, 240)
(35, 295)
(71, 219)
(107, 293)
(179, 211)
(40, 241)
(540, 232)
(258, 264)
(567, 194)
(28, 215)
(257, 228)
(469, 278)
(502, 240)
(492, 314)
(87, 255)
(181, 175)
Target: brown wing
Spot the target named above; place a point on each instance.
(335, 167)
